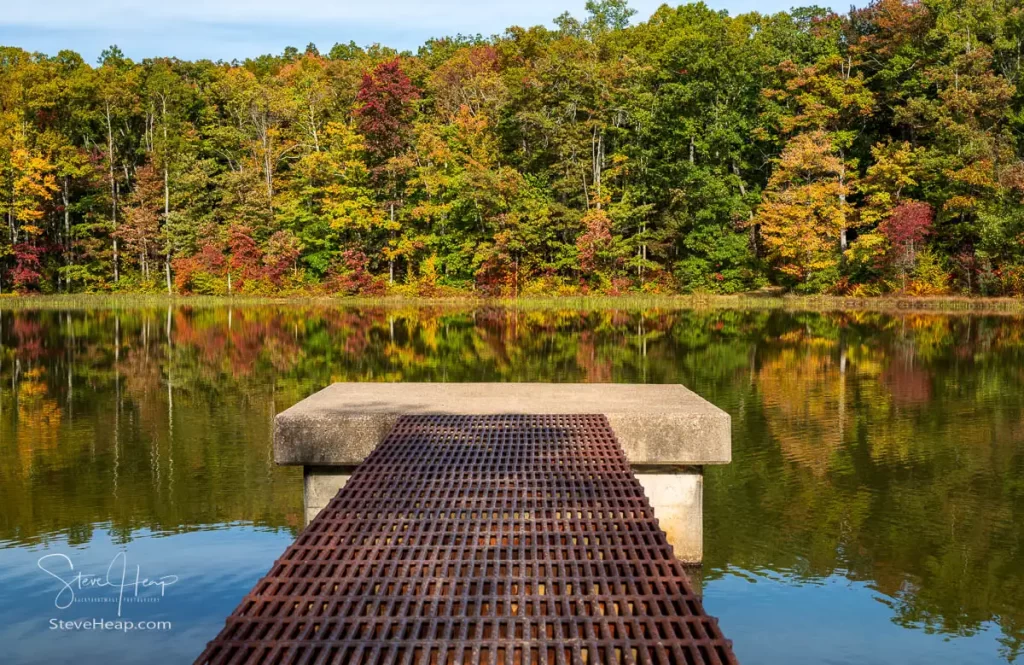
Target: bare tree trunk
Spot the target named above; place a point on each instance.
(312, 125)
(167, 189)
(842, 201)
(65, 195)
(268, 162)
(391, 259)
(113, 184)
(736, 172)
(644, 266)
(516, 286)
(10, 228)
(167, 195)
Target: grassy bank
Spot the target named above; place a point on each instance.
(743, 301)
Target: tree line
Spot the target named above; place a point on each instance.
(862, 153)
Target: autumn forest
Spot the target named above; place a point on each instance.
(877, 151)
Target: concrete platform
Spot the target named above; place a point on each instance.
(668, 434)
(656, 424)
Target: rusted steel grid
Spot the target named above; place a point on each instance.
(496, 540)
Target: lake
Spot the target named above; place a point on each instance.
(873, 512)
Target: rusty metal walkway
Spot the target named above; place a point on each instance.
(498, 540)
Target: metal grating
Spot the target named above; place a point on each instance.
(492, 540)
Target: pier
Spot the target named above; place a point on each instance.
(489, 523)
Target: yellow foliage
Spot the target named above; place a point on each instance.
(804, 211)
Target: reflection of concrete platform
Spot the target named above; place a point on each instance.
(667, 432)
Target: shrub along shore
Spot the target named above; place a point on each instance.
(633, 303)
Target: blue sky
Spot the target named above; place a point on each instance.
(227, 29)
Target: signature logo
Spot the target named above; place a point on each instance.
(119, 582)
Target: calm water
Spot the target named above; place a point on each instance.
(874, 511)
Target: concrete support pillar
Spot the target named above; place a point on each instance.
(320, 484)
(676, 494)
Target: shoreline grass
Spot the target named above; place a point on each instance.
(937, 304)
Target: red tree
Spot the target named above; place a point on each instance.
(909, 224)
(211, 257)
(208, 260)
(384, 117)
(352, 275)
(905, 229)
(282, 252)
(246, 257)
(28, 267)
(385, 109)
(595, 243)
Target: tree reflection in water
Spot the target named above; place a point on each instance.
(886, 449)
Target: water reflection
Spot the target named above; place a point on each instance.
(210, 568)
(880, 457)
